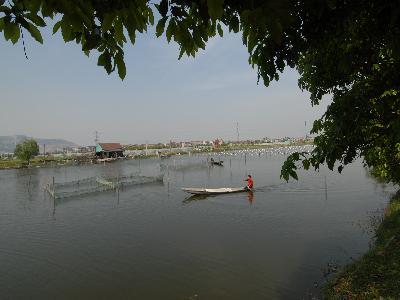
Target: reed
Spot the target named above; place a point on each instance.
(376, 274)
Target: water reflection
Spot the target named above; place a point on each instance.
(193, 198)
(250, 197)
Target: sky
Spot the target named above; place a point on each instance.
(60, 93)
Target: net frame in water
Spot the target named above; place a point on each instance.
(96, 184)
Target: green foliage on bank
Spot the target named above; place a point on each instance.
(376, 275)
(26, 150)
(41, 161)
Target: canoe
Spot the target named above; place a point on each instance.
(198, 191)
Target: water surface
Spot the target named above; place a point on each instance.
(155, 242)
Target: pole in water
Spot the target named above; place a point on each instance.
(54, 189)
(29, 184)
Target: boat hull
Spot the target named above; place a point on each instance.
(200, 191)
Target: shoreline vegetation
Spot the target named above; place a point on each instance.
(57, 160)
(376, 275)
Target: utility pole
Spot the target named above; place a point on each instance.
(305, 128)
(96, 137)
(237, 131)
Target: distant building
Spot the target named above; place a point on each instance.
(217, 142)
(108, 150)
(198, 143)
(79, 150)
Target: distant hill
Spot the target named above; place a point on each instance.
(7, 143)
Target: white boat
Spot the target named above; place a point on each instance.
(199, 191)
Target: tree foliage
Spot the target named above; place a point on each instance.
(346, 49)
(26, 150)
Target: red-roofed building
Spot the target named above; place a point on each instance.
(109, 150)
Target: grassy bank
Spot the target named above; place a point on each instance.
(376, 275)
(35, 162)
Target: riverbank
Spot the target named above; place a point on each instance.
(39, 162)
(52, 161)
(376, 275)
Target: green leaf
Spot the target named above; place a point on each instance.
(2, 24)
(284, 175)
(293, 174)
(215, 8)
(276, 31)
(101, 61)
(160, 26)
(11, 32)
(47, 10)
(5, 9)
(90, 43)
(107, 62)
(37, 20)
(56, 26)
(15, 36)
(234, 24)
(295, 156)
(132, 35)
(251, 41)
(32, 5)
(107, 21)
(163, 8)
(119, 31)
(35, 33)
(306, 164)
(170, 30)
(198, 40)
(84, 16)
(66, 32)
(220, 32)
(181, 53)
(119, 60)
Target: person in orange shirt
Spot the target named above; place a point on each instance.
(249, 182)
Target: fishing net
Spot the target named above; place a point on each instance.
(97, 184)
(180, 166)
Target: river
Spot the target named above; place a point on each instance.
(153, 241)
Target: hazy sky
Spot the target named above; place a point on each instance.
(60, 93)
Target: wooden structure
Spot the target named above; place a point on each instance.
(109, 150)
